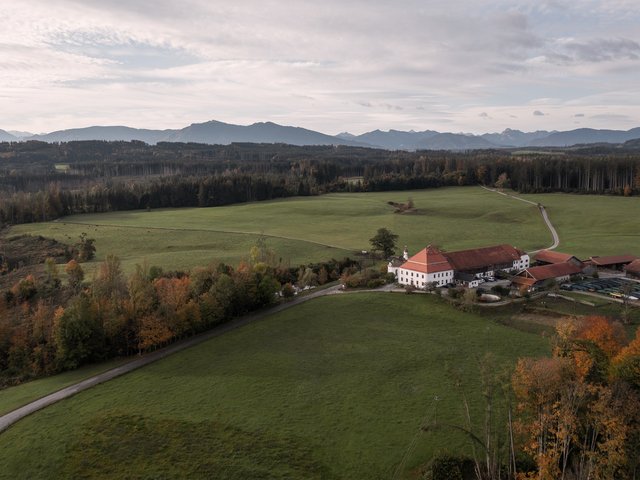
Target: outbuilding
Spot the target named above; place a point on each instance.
(613, 262)
(536, 277)
(633, 269)
(549, 257)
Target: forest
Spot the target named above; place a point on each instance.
(41, 181)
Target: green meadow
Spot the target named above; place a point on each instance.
(594, 224)
(303, 229)
(335, 388)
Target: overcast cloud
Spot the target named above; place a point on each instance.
(455, 65)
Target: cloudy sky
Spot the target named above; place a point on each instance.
(330, 65)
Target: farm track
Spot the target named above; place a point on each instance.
(12, 417)
(543, 212)
(207, 230)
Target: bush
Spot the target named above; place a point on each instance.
(288, 290)
(456, 292)
(500, 290)
(450, 467)
(375, 283)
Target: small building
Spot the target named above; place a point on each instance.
(549, 257)
(396, 262)
(632, 270)
(427, 266)
(613, 262)
(535, 277)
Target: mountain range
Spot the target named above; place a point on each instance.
(221, 133)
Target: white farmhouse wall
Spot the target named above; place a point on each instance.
(523, 263)
(420, 280)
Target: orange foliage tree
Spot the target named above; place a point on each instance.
(579, 418)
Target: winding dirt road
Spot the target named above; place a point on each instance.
(543, 212)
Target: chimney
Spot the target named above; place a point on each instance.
(405, 254)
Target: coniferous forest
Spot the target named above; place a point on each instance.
(41, 181)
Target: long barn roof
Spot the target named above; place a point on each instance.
(478, 258)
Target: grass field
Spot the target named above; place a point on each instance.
(318, 228)
(594, 224)
(303, 229)
(334, 388)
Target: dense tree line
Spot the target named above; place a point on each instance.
(48, 326)
(40, 181)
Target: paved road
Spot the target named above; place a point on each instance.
(543, 212)
(12, 417)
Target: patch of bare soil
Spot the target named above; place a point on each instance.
(24, 255)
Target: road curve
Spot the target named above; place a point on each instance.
(12, 417)
(543, 212)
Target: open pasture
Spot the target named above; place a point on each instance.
(334, 388)
(594, 224)
(305, 229)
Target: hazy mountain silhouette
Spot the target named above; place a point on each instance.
(215, 132)
(109, 133)
(514, 138)
(586, 135)
(263, 132)
(391, 140)
(7, 137)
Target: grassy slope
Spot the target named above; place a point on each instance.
(453, 218)
(594, 224)
(335, 388)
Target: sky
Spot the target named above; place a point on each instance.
(331, 65)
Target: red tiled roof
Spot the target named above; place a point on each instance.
(524, 281)
(613, 260)
(483, 257)
(427, 260)
(634, 267)
(554, 270)
(548, 256)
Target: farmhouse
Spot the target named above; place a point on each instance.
(465, 266)
(633, 269)
(426, 266)
(535, 277)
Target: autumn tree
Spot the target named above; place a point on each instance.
(503, 181)
(86, 248)
(75, 275)
(51, 281)
(580, 418)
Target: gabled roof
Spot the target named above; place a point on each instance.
(554, 270)
(634, 267)
(427, 260)
(483, 257)
(548, 256)
(613, 260)
(526, 281)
